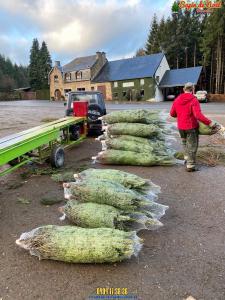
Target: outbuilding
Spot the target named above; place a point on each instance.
(173, 81)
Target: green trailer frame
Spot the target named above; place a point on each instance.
(37, 143)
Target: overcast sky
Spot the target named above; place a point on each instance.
(74, 28)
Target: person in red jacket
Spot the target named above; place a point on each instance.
(186, 109)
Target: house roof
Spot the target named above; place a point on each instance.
(80, 63)
(178, 77)
(131, 68)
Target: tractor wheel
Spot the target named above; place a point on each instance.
(57, 157)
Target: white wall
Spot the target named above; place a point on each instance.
(163, 67)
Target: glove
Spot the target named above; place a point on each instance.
(215, 127)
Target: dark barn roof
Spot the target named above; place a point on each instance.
(179, 77)
(131, 68)
(80, 63)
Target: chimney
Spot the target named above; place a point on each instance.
(99, 54)
(57, 63)
(103, 56)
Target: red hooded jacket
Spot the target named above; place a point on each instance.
(188, 112)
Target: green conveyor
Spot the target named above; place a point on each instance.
(33, 129)
(17, 145)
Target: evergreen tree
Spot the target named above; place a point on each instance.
(34, 66)
(169, 41)
(45, 64)
(21, 76)
(152, 45)
(40, 65)
(179, 39)
(213, 49)
(161, 32)
(11, 75)
(190, 39)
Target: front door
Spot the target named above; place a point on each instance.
(57, 95)
(102, 89)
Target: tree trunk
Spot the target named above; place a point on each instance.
(211, 74)
(222, 67)
(218, 65)
(195, 55)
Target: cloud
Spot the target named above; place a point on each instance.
(15, 50)
(77, 27)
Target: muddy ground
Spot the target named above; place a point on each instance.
(183, 258)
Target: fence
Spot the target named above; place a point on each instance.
(23, 95)
(217, 97)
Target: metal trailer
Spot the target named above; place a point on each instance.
(40, 143)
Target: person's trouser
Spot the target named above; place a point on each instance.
(190, 144)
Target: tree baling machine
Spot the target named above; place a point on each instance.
(44, 142)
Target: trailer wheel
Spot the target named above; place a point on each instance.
(57, 157)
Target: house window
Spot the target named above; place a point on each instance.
(142, 93)
(80, 89)
(78, 75)
(56, 78)
(124, 93)
(115, 95)
(115, 84)
(142, 81)
(68, 76)
(67, 91)
(128, 84)
(157, 79)
(92, 88)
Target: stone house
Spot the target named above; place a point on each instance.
(77, 76)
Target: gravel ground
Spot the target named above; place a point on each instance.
(183, 258)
